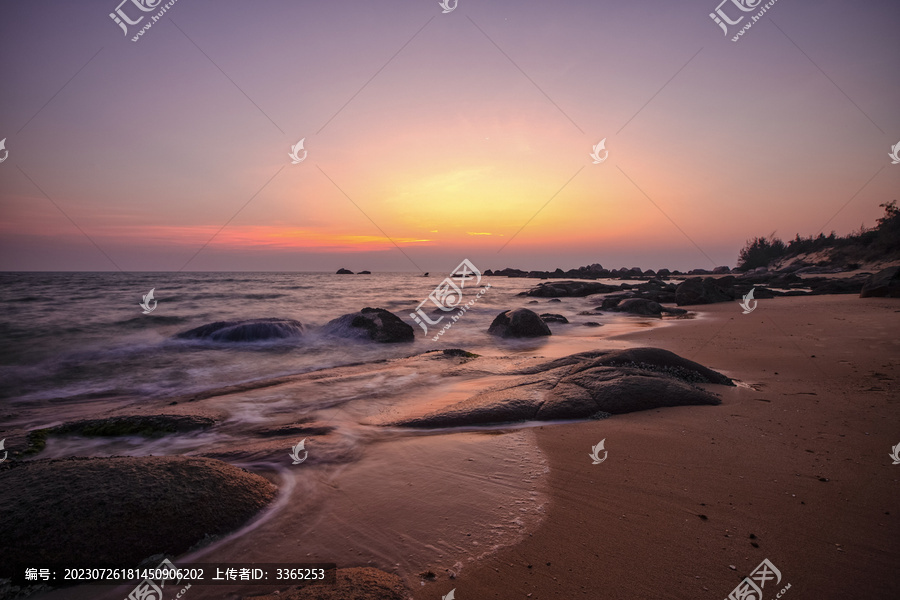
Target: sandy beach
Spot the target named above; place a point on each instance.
(793, 467)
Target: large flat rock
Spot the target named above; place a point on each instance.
(582, 386)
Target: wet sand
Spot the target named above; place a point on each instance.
(794, 461)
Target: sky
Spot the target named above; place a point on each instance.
(431, 137)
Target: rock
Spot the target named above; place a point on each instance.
(344, 272)
(251, 330)
(557, 289)
(553, 318)
(533, 302)
(639, 306)
(591, 324)
(356, 583)
(146, 425)
(700, 291)
(119, 511)
(582, 386)
(518, 323)
(364, 273)
(663, 273)
(374, 324)
(555, 300)
(883, 284)
(721, 271)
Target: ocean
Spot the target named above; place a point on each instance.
(83, 335)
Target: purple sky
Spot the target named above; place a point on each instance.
(482, 117)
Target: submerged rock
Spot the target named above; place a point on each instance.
(556, 289)
(252, 330)
(119, 511)
(518, 323)
(642, 306)
(553, 318)
(582, 386)
(376, 324)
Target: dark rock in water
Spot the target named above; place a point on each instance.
(296, 429)
(721, 271)
(555, 300)
(558, 289)
(553, 318)
(375, 324)
(533, 302)
(253, 330)
(883, 284)
(583, 386)
(459, 353)
(119, 511)
(518, 323)
(364, 273)
(639, 306)
(344, 272)
(591, 324)
(147, 425)
(358, 583)
(663, 273)
(700, 291)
